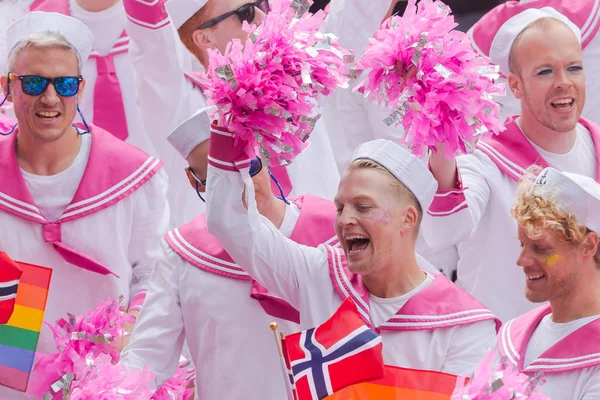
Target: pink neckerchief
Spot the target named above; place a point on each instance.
(513, 153)
(576, 351)
(103, 184)
(440, 305)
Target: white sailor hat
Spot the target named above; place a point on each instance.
(573, 193)
(71, 28)
(182, 10)
(407, 168)
(514, 26)
(191, 132)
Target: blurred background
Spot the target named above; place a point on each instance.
(467, 12)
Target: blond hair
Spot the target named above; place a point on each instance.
(186, 33)
(538, 214)
(399, 187)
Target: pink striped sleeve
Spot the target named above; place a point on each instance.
(224, 153)
(147, 13)
(138, 300)
(448, 202)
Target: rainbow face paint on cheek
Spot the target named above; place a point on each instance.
(553, 259)
(380, 216)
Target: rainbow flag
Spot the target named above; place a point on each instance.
(19, 337)
(401, 384)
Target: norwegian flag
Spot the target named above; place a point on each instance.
(341, 352)
(10, 273)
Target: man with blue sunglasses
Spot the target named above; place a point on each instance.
(73, 197)
(199, 294)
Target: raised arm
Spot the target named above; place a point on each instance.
(166, 96)
(278, 263)
(460, 202)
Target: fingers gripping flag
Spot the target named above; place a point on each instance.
(340, 352)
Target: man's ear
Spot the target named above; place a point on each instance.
(5, 84)
(516, 85)
(202, 39)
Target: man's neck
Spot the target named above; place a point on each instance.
(546, 138)
(96, 5)
(585, 302)
(47, 158)
(397, 279)
(273, 210)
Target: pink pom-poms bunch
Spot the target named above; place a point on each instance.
(437, 87)
(267, 90)
(86, 365)
(498, 379)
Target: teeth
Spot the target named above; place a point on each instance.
(563, 101)
(354, 237)
(48, 114)
(534, 277)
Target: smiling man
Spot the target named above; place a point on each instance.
(426, 321)
(540, 52)
(558, 219)
(74, 198)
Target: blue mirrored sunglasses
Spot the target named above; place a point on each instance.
(255, 167)
(35, 85)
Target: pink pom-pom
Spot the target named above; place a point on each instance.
(439, 89)
(504, 382)
(267, 91)
(102, 380)
(78, 341)
(177, 388)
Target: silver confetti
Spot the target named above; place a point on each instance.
(301, 7)
(225, 72)
(419, 48)
(78, 335)
(348, 58)
(487, 110)
(306, 78)
(396, 116)
(253, 36)
(443, 71)
(311, 51)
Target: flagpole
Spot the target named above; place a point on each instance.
(274, 327)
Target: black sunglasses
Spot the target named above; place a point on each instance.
(255, 167)
(35, 85)
(245, 12)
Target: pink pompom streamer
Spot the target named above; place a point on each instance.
(267, 90)
(86, 368)
(447, 98)
(503, 382)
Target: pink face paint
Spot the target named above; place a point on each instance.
(553, 259)
(380, 216)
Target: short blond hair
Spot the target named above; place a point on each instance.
(537, 215)
(401, 189)
(186, 32)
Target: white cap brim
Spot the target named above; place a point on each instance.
(182, 10)
(407, 168)
(192, 132)
(75, 31)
